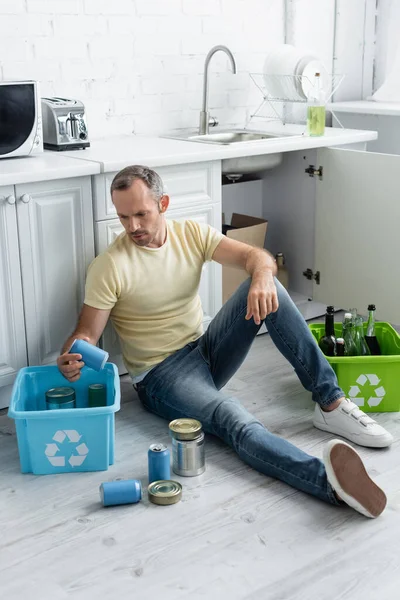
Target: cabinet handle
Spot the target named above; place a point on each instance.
(10, 199)
(25, 198)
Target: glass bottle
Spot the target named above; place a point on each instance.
(361, 343)
(370, 336)
(316, 108)
(340, 347)
(327, 342)
(354, 314)
(348, 335)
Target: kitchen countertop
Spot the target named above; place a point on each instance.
(115, 153)
(366, 107)
(43, 167)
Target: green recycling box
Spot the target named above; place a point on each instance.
(371, 382)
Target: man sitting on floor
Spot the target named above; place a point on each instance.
(147, 283)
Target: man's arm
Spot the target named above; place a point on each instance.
(261, 267)
(90, 326)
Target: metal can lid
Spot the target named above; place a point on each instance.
(97, 386)
(185, 429)
(60, 394)
(164, 492)
(157, 447)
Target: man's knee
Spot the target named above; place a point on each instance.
(232, 419)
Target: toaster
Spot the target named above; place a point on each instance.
(64, 124)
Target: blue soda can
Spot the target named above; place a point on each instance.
(92, 356)
(159, 459)
(125, 491)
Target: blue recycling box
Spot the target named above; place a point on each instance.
(69, 440)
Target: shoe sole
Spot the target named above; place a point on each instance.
(350, 480)
(370, 444)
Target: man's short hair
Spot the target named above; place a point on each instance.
(125, 178)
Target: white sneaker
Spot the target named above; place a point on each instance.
(347, 475)
(352, 423)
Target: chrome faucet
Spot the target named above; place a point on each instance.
(204, 114)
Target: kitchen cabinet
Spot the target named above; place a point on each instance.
(46, 245)
(195, 193)
(343, 227)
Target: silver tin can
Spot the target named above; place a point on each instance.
(188, 458)
(60, 397)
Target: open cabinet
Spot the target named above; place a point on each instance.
(357, 231)
(342, 228)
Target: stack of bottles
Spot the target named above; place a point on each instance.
(353, 341)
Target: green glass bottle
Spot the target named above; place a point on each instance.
(340, 347)
(370, 335)
(348, 334)
(360, 341)
(327, 342)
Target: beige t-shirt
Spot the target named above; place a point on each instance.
(153, 292)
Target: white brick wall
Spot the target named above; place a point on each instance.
(138, 64)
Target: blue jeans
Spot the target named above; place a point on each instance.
(188, 384)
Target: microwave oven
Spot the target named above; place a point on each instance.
(20, 119)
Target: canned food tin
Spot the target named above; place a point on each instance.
(159, 462)
(188, 457)
(164, 492)
(97, 395)
(60, 397)
(185, 429)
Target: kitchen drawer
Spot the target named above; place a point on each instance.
(187, 185)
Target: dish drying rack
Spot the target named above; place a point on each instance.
(289, 105)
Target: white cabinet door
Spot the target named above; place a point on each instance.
(187, 184)
(12, 326)
(55, 226)
(106, 233)
(357, 240)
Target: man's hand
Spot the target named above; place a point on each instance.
(91, 324)
(262, 298)
(70, 365)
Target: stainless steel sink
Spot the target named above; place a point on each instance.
(227, 137)
(231, 137)
(234, 137)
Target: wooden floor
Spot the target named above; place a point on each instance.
(235, 535)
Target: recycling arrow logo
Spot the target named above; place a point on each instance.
(59, 460)
(373, 381)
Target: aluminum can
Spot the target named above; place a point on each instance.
(188, 456)
(124, 491)
(97, 395)
(159, 463)
(92, 356)
(164, 492)
(60, 397)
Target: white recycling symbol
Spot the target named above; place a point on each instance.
(372, 400)
(75, 460)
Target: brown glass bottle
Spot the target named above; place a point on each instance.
(327, 342)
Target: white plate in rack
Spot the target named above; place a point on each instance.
(307, 77)
(279, 70)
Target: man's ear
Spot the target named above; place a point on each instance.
(164, 203)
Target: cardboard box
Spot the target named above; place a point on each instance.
(250, 230)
